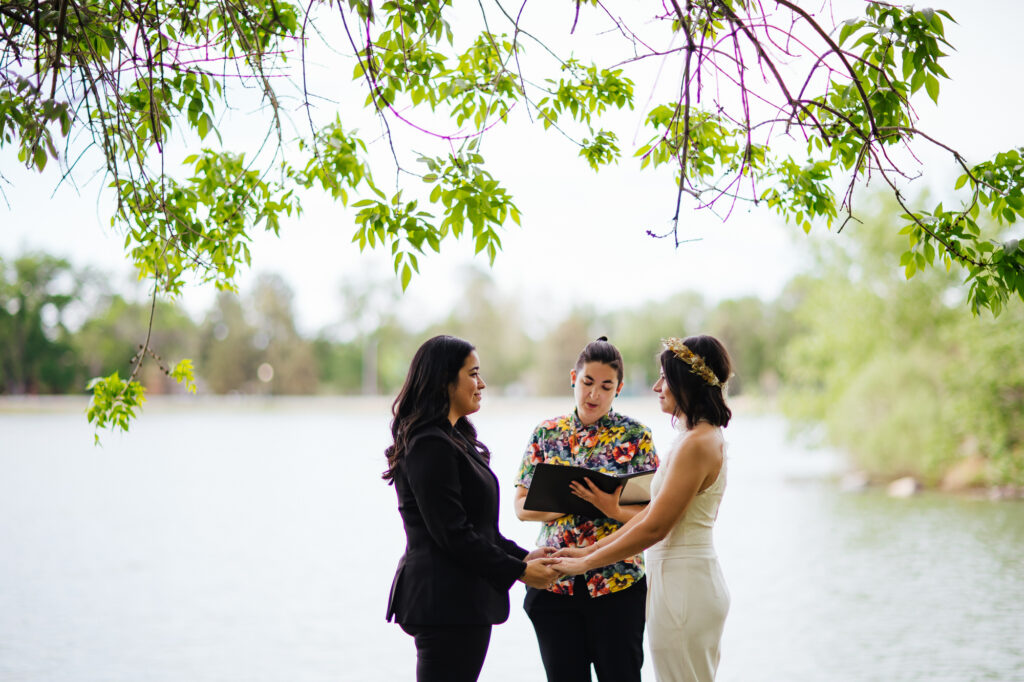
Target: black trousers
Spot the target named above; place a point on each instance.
(449, 653)
(575, 632)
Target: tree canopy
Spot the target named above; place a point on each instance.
(768, 103)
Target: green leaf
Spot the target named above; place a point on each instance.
(908, 63)
(183, 374)
(918, 80)
(406, 276)
(931, 84)
(849, 26)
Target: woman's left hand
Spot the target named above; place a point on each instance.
(607, 503)
(567, 566)
(540, 553)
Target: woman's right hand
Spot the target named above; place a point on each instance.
(573, 552)
(540, 573)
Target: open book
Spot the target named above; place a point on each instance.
(549, 490)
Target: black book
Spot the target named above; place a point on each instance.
(549, 490)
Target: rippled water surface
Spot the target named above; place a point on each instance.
(254, 542)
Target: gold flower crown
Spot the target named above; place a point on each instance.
(696, 362)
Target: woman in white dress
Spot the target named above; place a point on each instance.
(687, 598)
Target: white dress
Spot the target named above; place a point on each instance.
(687, 599)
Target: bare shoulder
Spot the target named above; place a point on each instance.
(703, 446)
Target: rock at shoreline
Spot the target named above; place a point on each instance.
(907, 486)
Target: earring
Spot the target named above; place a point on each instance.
(572, 386)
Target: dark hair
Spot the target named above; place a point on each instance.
(603, 352)
(695, 398)
(423, 400)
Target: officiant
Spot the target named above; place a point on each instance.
(596, 619)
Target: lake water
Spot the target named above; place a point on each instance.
(255, 542)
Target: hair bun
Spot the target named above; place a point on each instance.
(603, 338)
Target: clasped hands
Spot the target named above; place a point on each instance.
(545, 565)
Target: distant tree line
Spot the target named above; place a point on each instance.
(898, 374)
(60, 326)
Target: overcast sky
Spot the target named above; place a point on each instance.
(583, 237)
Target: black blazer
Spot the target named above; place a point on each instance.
(457, 568)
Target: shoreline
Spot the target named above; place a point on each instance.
(33, 404)
(850, 482)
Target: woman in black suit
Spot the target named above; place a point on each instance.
(452, 582)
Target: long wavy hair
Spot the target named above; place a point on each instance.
(696, 399)
(423, 400)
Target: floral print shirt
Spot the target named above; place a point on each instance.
(614, 444)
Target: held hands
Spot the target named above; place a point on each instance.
(569, 566)
(607, 503)
(571, 560)
(540, 553)
(540, 573)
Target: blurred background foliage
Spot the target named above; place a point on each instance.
(896, 373)
(899, 374)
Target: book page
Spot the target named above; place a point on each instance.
(637, 489)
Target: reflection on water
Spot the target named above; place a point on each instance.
(255, 542)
